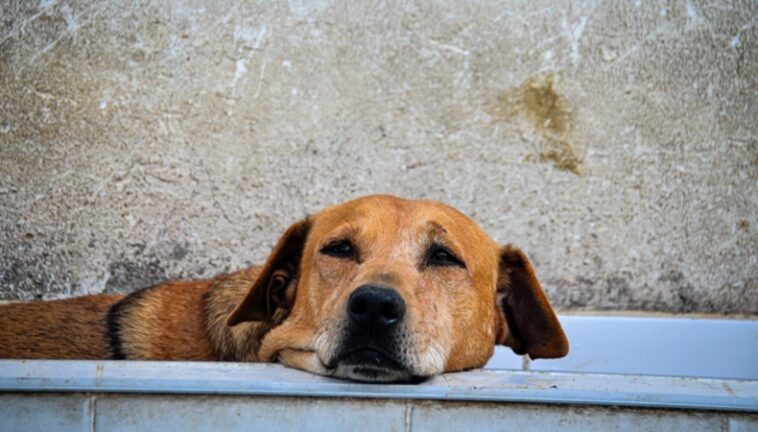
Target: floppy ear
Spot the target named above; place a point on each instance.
(529, 325)
(275, 284)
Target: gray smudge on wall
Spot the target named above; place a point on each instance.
(616, 142)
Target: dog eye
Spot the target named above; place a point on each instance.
(439, 255)
(339, 249)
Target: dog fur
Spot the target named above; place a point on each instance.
(458, 303)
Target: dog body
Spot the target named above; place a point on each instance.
(180, 320)
(375, 289)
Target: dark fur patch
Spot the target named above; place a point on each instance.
(115, 313)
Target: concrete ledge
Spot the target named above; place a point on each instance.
(194, 378)
(684, 346)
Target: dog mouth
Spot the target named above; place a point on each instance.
(369, 357)
(369, 364)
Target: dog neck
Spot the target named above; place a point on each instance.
(240, 342)
(186, 320)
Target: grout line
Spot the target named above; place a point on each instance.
(408, 416)
(92, 408)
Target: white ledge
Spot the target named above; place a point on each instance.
(276, 380)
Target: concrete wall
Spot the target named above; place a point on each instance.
(616, 142)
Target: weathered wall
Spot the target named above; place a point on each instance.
(616, 142)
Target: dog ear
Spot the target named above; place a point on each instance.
(275, 284)
(528, 325)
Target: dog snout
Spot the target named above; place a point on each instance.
(375, 308)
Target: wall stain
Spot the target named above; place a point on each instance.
(537, 101)
(179, 252)
(128, 275)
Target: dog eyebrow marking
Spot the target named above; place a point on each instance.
(346, 231)
(435, 229)
(437, 234)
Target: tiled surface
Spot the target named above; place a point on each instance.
(743, 424)
(165, 413)
(129, 413)
(40, 412)
(494, 417)
(712, 348)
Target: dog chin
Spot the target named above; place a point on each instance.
(370, 373)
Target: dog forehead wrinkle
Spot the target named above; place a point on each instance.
(381, 210)
(387, 278)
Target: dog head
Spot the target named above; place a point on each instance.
(388, 289)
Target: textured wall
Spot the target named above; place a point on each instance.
(617, 142)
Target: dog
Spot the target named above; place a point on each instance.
(378, 289)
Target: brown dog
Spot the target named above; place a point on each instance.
(375, 289)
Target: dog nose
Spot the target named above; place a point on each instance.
(375, 307)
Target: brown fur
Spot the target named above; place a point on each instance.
(75, 328)
(291, 309)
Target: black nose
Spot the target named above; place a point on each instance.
(372, 307)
